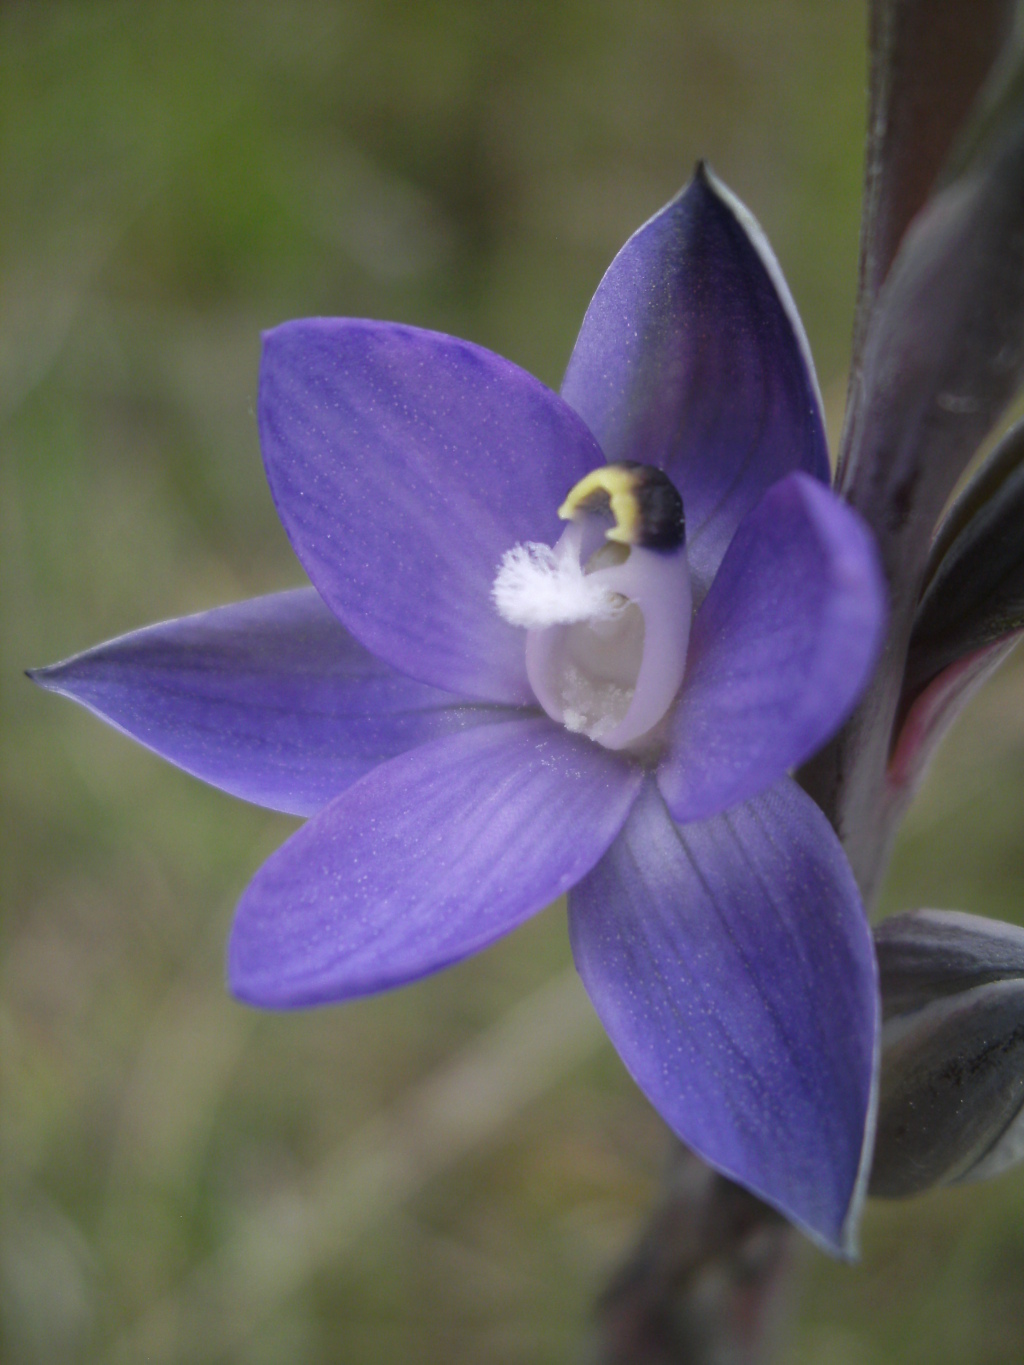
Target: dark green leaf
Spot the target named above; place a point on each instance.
(924, 955)
(929, 59)
(952, 1084)
(944, 351)
(975, 591)
(943, 357)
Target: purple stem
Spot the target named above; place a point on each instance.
(706, 1283)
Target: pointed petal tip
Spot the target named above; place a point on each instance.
(51, 677)
(766, 1024)
(841, 1241)
(702, 180)
(849, 1250)
(848, 1246)
(845, 1246)
(692, 345)
(270, 699)
(703, 177)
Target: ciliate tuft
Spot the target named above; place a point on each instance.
(537, 587)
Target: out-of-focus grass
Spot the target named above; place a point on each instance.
(175, 178)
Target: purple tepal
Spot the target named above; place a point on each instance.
(562, 644)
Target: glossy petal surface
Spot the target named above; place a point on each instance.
(271, 699)
(403, 465)
(692, 358)
(426, 860)
(780, 649)
(731, 963)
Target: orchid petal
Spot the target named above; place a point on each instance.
(731, 964)
(404, 464)
(270, 700)
(427, 859)
(780, 649)
(692, 358)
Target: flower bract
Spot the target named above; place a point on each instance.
(482, 704)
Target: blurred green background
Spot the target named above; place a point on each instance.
(445, 1174)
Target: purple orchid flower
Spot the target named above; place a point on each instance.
(481, 706)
